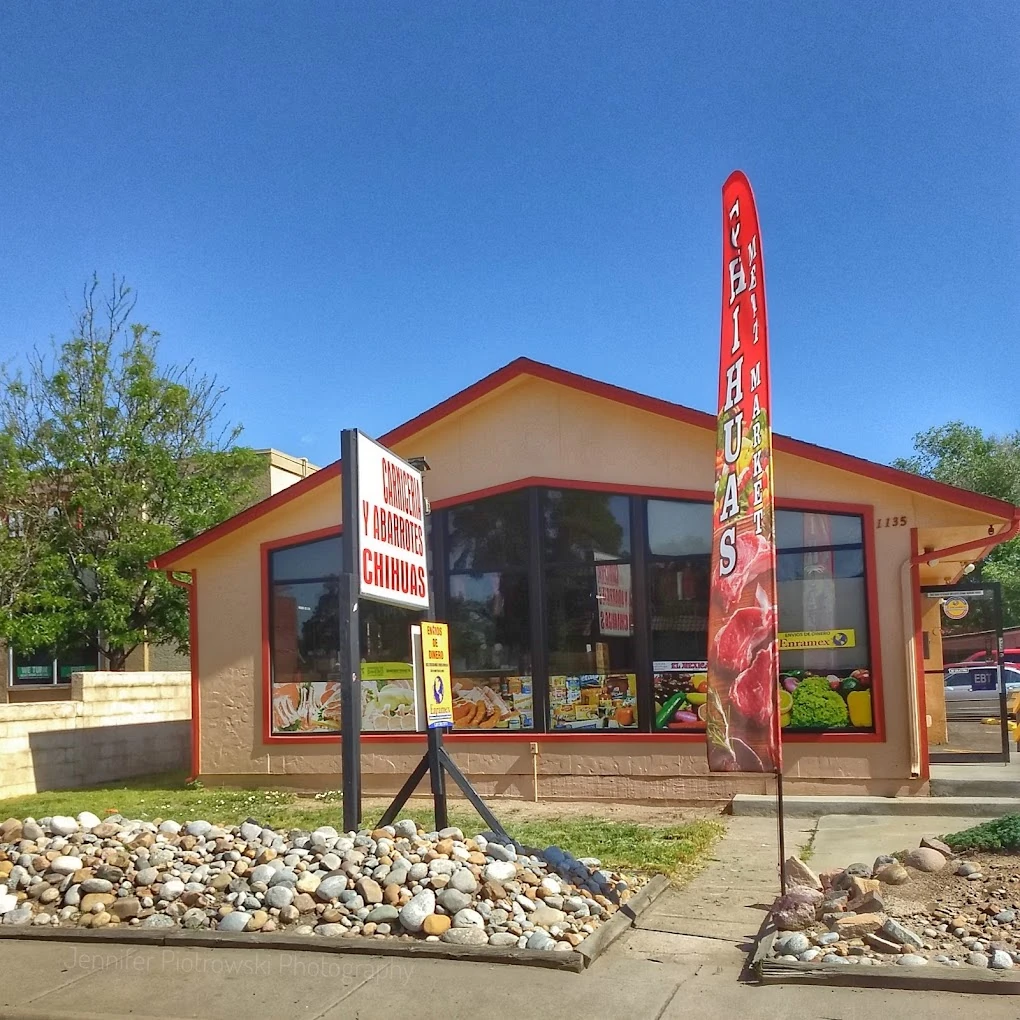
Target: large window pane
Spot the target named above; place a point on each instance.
(308, 561)
(796, 529)
(491, 534)
(582, 638)
(584, 526)
(679, 609)
(489, 622)
(679, 529)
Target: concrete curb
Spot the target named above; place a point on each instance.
(933, 978)
(587, 952)
(759, 806)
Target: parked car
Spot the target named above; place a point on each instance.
(972, 692)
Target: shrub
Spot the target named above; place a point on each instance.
(998, 834)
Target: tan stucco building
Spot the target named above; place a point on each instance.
(570, 533)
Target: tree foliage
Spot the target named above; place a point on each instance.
(963, 455)
(108, 459)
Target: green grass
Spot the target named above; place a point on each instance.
(998, 834)
(673, 850)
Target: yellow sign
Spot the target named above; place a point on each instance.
(387, 671)
(810, 640)
(955, 608)
(435, 648)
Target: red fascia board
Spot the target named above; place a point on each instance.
(618, 394)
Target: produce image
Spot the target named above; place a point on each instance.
(306, 707)
(592, 701)
(810, 701)
(680, 700)
(504, 702)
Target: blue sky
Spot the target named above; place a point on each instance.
(348, 212)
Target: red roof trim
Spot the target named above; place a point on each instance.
(630, 398)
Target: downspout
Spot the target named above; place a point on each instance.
(191, 587)
(909, 582)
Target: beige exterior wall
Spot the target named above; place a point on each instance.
(113, 726)
(533, 428)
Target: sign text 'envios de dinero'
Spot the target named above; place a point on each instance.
(392, 561)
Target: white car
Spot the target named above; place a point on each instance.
(972, 691)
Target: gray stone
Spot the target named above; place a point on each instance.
(793, 943)
(331, 930)
(414, 912)
(66, 865)
(896, 932)
(976, 959)
(540, 940)
(250, 832)
(331, 887)
(171, 889)
(406, 828)
(468, 919)
(912, 960)
(796, 910)
(499, 871)
(452, 900)
(236, 920)
(351, 900)
(502, 939)
(62, 825)
(809, 954)
(159, 921)
(833, 958)
(925, 859)
(32, 830)
(198, 828)
(470, 936)
(881, 861)
(92, 885)
(1001, 960)
(452, 832)
(279, 896)
(418, 872)
(1005, 916)
(170, 827)
(194, 918)
(827, 938)
(967, 868)
(463, 881)
(383, 913)
(500, 853)
(283, 876)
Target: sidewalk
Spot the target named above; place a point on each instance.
(683, 960)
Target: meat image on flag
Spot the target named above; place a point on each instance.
(743, 658)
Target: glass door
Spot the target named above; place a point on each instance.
(968, 687)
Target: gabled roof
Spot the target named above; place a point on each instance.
(630, 398)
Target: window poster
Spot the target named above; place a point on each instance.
(493, 703)
(312, 706)
(593, 701)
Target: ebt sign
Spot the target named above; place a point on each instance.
(391, 556)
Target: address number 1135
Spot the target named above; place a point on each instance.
(891, 522)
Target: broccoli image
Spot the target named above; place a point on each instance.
(817, 706)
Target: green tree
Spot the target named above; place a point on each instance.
(963, 455)
(108, 459)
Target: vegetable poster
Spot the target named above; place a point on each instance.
(742, 717)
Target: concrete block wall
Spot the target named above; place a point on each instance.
(114, 726)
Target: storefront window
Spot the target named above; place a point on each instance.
(488, 609)
(304, 646)
(589, 611)
(824, 661)
(823, 618)
(52, 666)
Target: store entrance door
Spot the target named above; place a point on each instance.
(967, 684)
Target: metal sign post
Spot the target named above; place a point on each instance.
(349, 657)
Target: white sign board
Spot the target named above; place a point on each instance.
(392, 561)
(612, 582)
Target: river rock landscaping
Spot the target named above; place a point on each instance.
(926, 906)
(394, 882)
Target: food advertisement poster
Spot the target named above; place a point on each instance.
(493, 703)
(387, 697)
(742, 715)
(312, 706)
(808, 702)
(593, 702)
